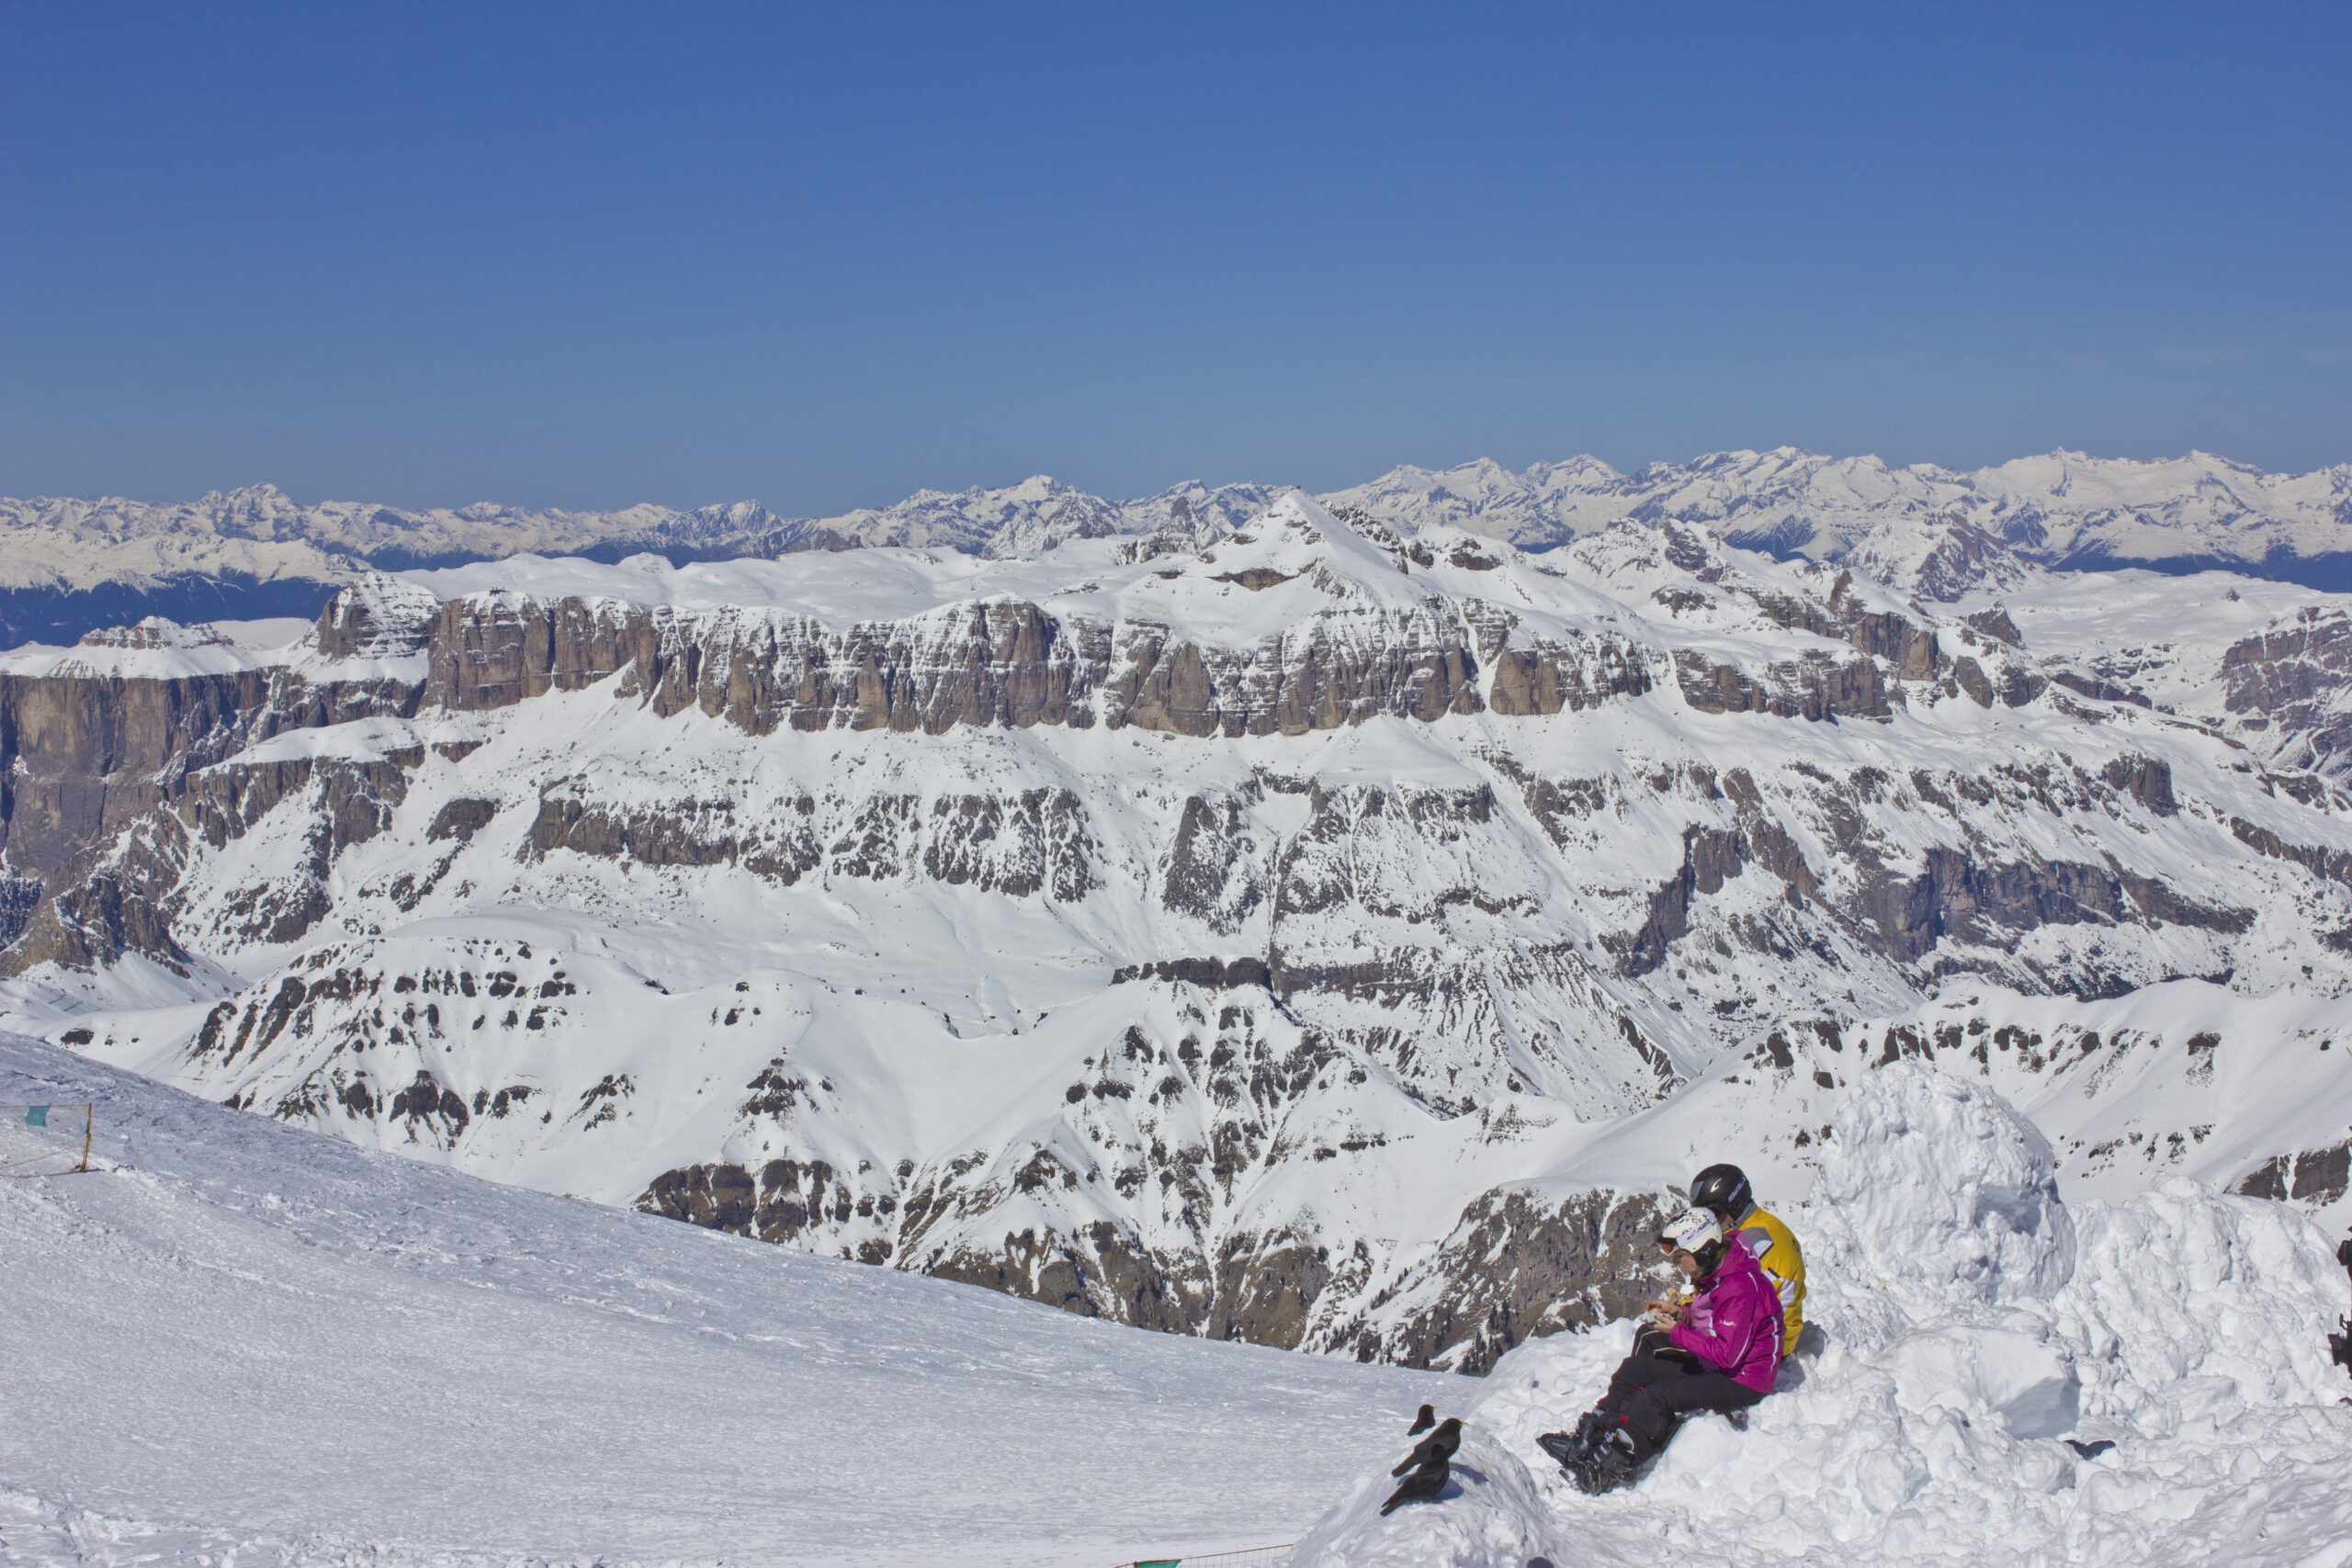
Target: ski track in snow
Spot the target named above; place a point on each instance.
(241, 1343)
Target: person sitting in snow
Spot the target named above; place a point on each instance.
(1718, 1350)
(1723, 1190)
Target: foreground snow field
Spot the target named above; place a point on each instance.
(241, 1343)
(1969, 1322)
(235, 1342)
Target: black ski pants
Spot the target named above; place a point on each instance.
(1651, 1392)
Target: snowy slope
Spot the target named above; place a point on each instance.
(2268, 663)
(238, 1342)
(2183, 1078)
(1965, 1320)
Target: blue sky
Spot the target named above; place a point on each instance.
(585, 256)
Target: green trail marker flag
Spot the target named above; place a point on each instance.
(36, 1115)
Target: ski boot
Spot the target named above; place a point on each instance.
(1571, 1448)
(1611, 1463)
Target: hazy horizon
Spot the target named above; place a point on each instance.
(579, 257)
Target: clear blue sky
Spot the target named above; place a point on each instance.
(584, 255)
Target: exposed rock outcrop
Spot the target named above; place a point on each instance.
(1518, 1266)
(2299, 678)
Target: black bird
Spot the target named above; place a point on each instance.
(1419, 1486)
(1423, 1422)
(1436, 1449)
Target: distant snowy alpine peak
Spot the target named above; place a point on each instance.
(1199, 513)
(1687, 574)
(968, 520)
(1546, 504)
(1723, 484)
(259, 532)
(2064, 509)
(155, 631)
(254, 512)
(155, 649)
(1298, 546)
(1786, 501)
(1299, 537)
(2123, 509)
(2196, 482)
(1190, 514)
(1943, 559)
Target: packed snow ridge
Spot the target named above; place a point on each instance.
(1967, 1323)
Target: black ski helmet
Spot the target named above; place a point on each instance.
(1723, 1189)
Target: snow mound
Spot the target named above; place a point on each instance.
(1937, 1186)
(1965, 1323)
(2180, 1293)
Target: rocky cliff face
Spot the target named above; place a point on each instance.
(1247, 940)
(123, 745)
(2297, 680)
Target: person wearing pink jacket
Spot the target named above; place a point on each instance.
(1718, 1350)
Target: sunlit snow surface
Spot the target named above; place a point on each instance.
(1972, 1323)
(239, 1343)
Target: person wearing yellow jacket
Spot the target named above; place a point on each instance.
(1723, 1189)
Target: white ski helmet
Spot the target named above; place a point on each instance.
(1693, 1231)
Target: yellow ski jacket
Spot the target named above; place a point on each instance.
(1771, 1244)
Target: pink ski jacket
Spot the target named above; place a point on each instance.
(1735, 1322)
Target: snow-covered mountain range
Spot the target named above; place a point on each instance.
(2065, 509)
(67, 566)
(1324, 933)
